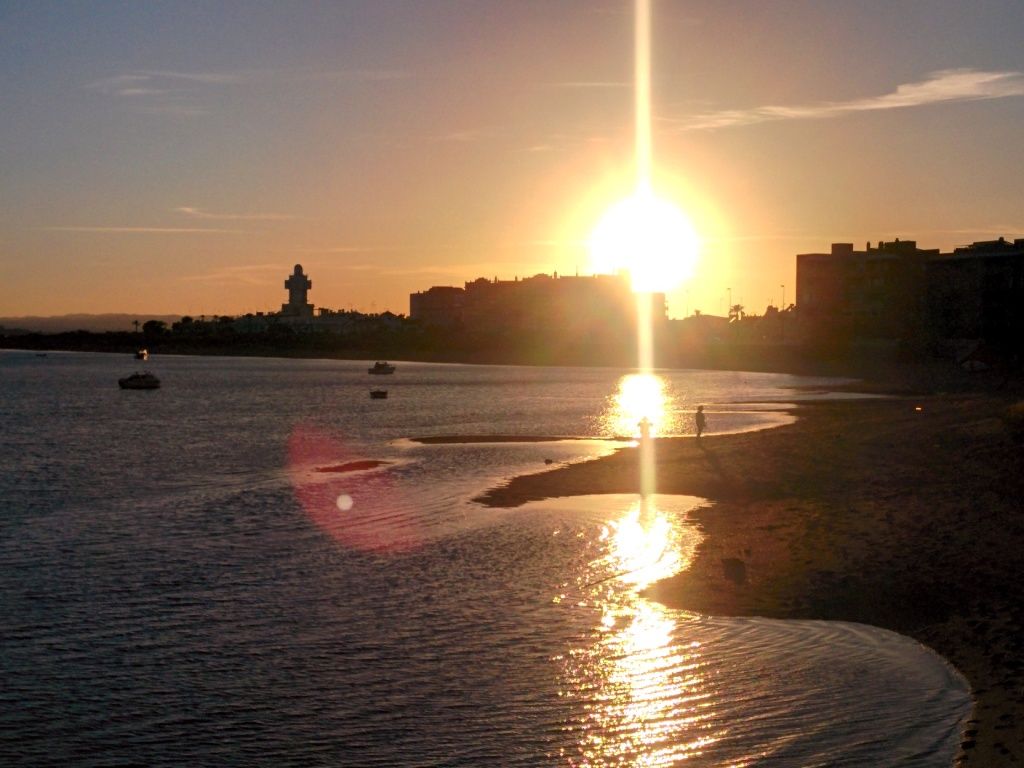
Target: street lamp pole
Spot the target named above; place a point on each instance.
(782, 316)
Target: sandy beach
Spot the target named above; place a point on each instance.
(903, 513)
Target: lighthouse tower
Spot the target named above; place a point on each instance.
(298, 284)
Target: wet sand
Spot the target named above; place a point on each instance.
(905, 513)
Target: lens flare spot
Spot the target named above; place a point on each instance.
(327, 479)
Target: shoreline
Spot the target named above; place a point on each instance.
(470, 439)
(899, 512)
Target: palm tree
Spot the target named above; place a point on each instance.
(735, 313)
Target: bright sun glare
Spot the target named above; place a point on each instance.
(648, 236)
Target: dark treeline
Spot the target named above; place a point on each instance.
(401, 341)
(404, 339)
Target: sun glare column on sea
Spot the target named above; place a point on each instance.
(645, 684)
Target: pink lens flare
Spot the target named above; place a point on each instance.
(349, 498)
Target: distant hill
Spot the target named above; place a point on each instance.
(94, 323)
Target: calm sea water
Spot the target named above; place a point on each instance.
(190, 576)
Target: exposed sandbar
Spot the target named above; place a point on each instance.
(354, 466)
(905, 513)
(449, 439)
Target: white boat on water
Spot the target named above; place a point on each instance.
(142, 354)
(381, 368)
(139, 381)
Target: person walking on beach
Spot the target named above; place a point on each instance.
(645, 429)
(699, 420)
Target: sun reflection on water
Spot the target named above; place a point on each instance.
(639, 396)
(646, 699)
(645, 547)
(642, 689)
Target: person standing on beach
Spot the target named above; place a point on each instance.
(645, 429)
(699, 420)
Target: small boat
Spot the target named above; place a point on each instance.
(381, 368)
(139, 381)
(142, 354)
(379, 394)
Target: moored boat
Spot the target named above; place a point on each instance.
(381, 368)
(139, 381)
(378, 394)
(142, 354)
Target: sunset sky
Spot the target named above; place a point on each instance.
(181, 157)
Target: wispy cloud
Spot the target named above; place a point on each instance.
(118, 83)
(528, 244)
(143, 83)
(146, 77)
(451, 272)
(140, 92)
(982, 232)
(182, 94)
(251, 274)
(591, 84)
(948, 85)
(346, 268)
(170, 109)
(350, 75)
(148, 230)
(198, 213)
(209, 78)
(763, 237)
(462, 271)
(354, 249)
(164, 91)
(467, 136)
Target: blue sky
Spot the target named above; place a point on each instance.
(181, 157)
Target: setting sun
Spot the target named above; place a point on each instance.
(648, 236)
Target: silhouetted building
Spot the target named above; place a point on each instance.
(565, 305)
(899, 291)
(977, 291)
(298, 285)
(300, 316)
(437, 306)
(541, 319)
(875, 293)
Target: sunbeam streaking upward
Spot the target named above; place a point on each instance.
(644, 234)
(642, 93)
(642, 118)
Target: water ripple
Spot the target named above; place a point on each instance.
(176, 591)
